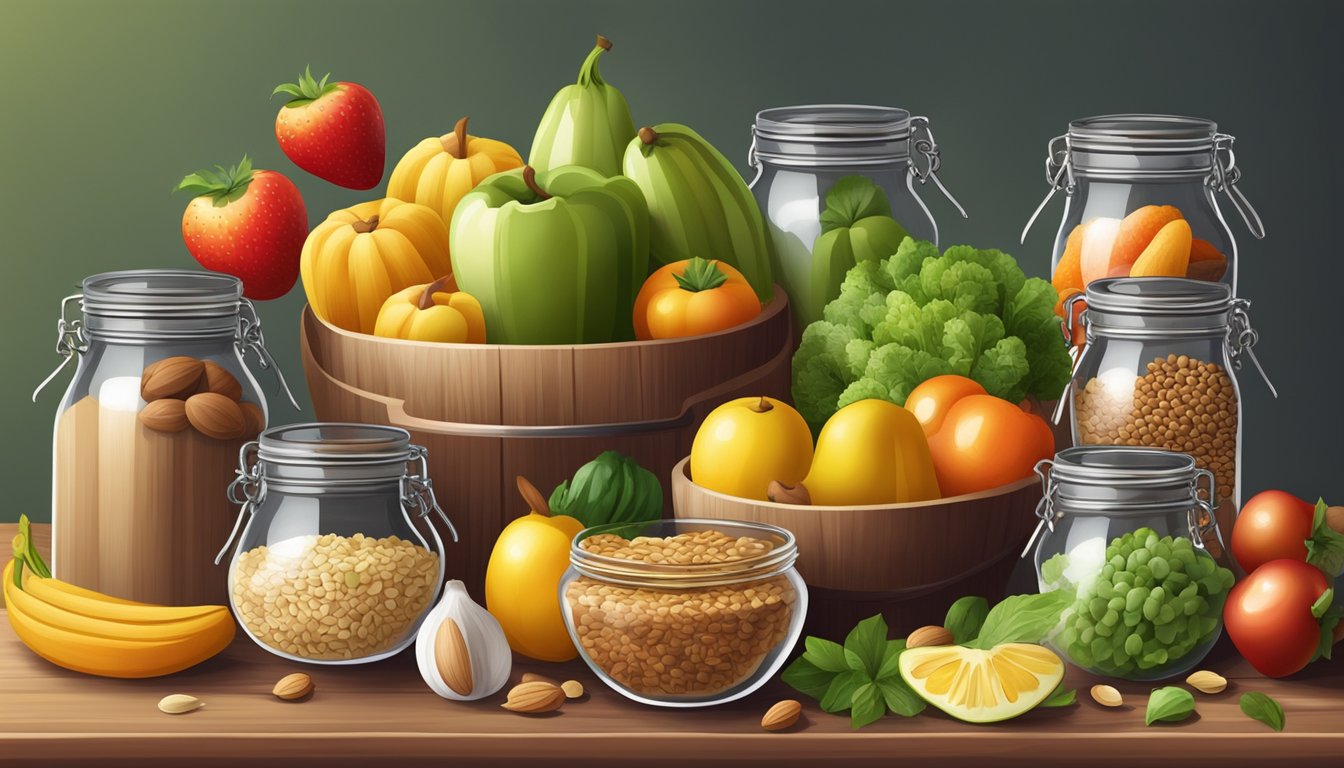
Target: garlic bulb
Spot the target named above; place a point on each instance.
(461, 649)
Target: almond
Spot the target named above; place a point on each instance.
(1205, 681)
(534, 698)
(179, 704)
(533, 677)
(1107, 696)
(221, 382)
(573, 689)
(1334, 517)
(788, 494)
(256, 420)
(176, 377)
(782, 715)
(168, 415)
(930, 635)
(452, 657)
(216, 416)
(293, 687)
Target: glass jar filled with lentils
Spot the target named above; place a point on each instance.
(684, 613)
(1158, 369)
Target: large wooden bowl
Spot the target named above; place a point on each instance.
(907, 561)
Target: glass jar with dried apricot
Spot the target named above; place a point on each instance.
(684, 613)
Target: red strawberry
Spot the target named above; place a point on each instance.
(246, 223)
(333, 131)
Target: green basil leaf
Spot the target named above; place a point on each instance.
(866, 644)
(611, 488)
(867, 706)
(1325, 548)
(1169, 705)
(965, 618)
(1327, 642)
(900, 698)
(827, 655)
(1258, 706)
(891, 660)
(1022, 619)
(807, 678)
(1060, 697)
(840, 693)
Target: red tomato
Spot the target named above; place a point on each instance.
(986, 442)
(931, 400)
(1269, 616)
(1273, 525)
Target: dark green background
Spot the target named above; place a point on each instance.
(105, 105)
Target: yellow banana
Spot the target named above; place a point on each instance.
(116, 656)
(71, 589)
(98, 607)
(159, 630)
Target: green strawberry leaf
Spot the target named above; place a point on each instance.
(306, 90)
(1325, 548)
(223, 186)
(866, 644)
(807, 678)
(1258, 706)
(965, 618)
(867, 706)
(825, 654)
(840, 693)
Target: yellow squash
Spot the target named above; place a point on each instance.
(522, 581)
(871, 452)
(746, 443)
(434, 312)
(359, 256)
(438, 171)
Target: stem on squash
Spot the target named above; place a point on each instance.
(530, 179)
(762, 406)
(648, 135)
(535, 501)
(364, 227)
(459, 150)
(427, 298)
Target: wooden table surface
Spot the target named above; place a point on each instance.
(383, 715)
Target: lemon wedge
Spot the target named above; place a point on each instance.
(982, 686)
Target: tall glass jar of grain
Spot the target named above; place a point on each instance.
(1159, 368)
(331, 567)
(837, 183)
(149, 429)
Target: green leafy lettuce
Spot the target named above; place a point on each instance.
(918, 314)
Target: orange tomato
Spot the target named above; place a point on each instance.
(931, 400)
(986, 442)
(693, 297)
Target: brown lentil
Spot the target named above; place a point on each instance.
(333, 597)
(1180, 404)
(691, 642)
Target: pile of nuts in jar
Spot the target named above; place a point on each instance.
(183, 392)
(680, 641)
(333, 597)
(1181, 404)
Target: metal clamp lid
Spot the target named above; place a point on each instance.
(249, 488)
(1220, 175)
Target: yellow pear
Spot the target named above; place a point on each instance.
(522, 581)
(746, 443)
(871, 452)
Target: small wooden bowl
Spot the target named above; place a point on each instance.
(887, 549)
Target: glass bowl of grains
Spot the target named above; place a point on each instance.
(684, 613)
(338, 562)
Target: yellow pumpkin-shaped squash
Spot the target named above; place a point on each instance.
(434, 312)
(361, 255)
(438, 171)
